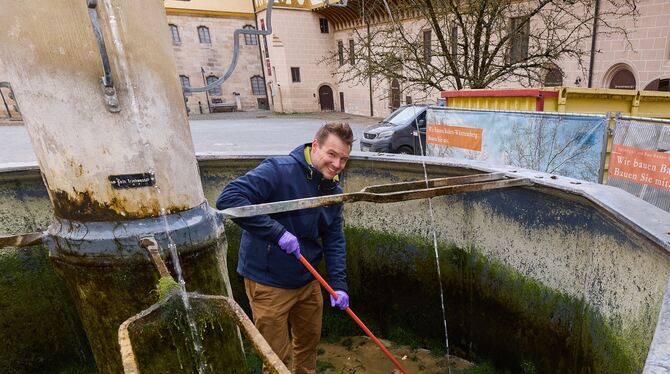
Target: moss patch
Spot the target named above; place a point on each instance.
(166, 285)
(40, 331)
(163, 343)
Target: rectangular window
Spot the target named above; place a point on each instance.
(174, 31)
(323, 24)
(427, 47)
(203, 35)
(258, 85)
(454, 43)
(250, 39)
(520, 35)
(352, 52)
(295, 75)
(408, 100)
(216, 91)
(340, 52)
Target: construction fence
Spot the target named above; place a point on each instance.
(632, 153)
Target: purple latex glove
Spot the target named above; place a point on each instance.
(289, 244)
(342, 301)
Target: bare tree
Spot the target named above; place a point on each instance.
(455, 44)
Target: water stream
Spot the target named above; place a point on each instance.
(174, 255)
(434, 234)
(137, 120)
(430, 211)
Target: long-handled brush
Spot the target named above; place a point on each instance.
(352, 314)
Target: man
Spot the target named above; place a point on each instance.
(280, 289)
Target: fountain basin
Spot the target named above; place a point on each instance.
(563, 276)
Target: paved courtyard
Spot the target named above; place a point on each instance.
(237, 133)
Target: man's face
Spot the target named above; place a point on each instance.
(331, 157)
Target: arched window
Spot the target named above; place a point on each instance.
(216, 91)
(174, 31)
(203, 35)
(250, 39)
(623, 79)
(185, 83)
(658, 85)
(553, 77)
(258, 85)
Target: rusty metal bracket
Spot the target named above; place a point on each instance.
(387, 193)
(106, 82)
(21, 240)
(149, 243)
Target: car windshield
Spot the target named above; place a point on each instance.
(403, 115)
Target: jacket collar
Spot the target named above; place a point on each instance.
(302, 155)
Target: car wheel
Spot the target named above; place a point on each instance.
(405, 150)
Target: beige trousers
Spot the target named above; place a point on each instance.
(275, 309)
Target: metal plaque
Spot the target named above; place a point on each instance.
(132, 180)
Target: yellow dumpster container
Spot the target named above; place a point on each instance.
(565, 99)
(652, 104)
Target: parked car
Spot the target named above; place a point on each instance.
(398, 133)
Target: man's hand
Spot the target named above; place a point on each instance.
(289, 244)
(342, 301)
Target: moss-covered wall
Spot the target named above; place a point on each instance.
(40, 331)
(549, 238)
(532, 277)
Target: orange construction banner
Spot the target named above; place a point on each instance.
(640, 165)
(455, 136)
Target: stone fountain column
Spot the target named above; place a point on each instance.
(101, 100)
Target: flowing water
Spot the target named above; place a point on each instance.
(174, 255)
(138, 121)
(434, 234)
(430, 212)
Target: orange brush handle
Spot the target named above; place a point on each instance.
(352, 314)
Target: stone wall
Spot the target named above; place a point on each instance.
(215, 57)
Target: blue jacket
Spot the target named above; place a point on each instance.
(319, 230)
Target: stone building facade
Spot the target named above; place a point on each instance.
(202, 37)
(299, 40)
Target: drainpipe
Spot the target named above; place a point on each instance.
(593, 42)
(204, 81)
(372, 110)
(106, 119)
(260, 54)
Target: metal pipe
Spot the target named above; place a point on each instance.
(204, 81)
(236, 50)
(593, 42)
(436, 187)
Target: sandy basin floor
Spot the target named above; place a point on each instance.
(360, 355)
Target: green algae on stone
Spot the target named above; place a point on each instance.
(166, 285)
(163, 342)
(114, 289)
(493, 312)
(40, 331)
